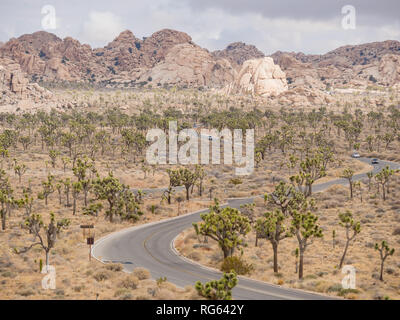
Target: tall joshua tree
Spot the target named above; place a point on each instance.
(384, 253)
(272, 227)
(47, 234)
(305, 227)
(353, 228)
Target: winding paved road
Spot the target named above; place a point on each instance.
(151, 246)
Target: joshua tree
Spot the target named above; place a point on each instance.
(76, 189)
(59, 191)
(218, 289)
(201, 174)
(188, 179)
(53, 154)
(48, 188)
(47, 239)
(121, 201)
(370, 175)
(384, 252)
(19, 170)
(305, 227)
(93, 210)
(348, 174)
(226, 227)
(311, 169)
(67, 187)
(351, 226)
(272, 227)
(65, 161)
(174, 181)
(108, 189)
(25, 141)
(27, 202)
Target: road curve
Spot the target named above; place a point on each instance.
(151, 246)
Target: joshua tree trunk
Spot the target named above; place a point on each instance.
(3, 220)
(344, 255)
(301, 263)
(227, 252)
(275, 248)
(74, 206)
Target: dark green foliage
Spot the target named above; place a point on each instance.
(218, 289)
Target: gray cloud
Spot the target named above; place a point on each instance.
(303, 9)
(291, 25)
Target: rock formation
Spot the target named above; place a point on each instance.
(15, 87)
(237, 53)
(389, 70)
(189, 65)
(259, 77)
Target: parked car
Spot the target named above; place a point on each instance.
(356, 155)
(375, 161)
(210, 138)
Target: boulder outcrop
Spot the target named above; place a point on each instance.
(238, 52)
(189, 65)
(259, 77)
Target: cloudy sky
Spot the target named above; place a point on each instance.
(308, 26)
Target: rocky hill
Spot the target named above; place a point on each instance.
(360, 65)
(237, 53)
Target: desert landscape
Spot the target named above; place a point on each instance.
(73, 139)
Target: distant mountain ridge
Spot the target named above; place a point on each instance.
(170, 57)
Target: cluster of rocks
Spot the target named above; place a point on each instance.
(15, 86)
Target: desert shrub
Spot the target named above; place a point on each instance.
(141, 273)
(60, 292)
(123, 294)
(236, 181)
(164, 294)
(194, 256)
(343, 292)
(114, 267)
(26, 292)
(102, 275)
(237, 264)
(78, 288)
(142, 298)
(130, 282)
(396, 232)
(335, 288)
